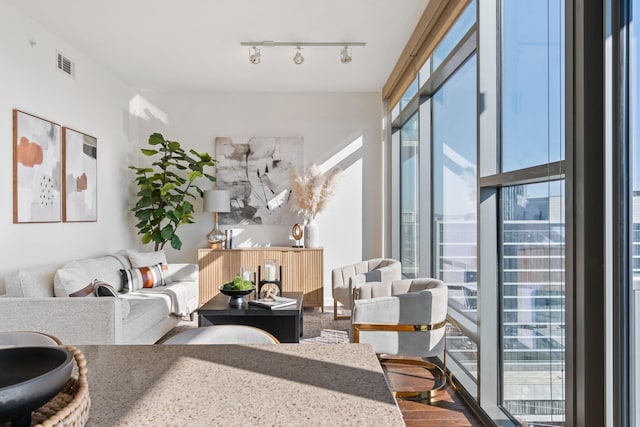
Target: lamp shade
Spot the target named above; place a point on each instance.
(216, 201)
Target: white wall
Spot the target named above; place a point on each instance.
(351, 227)
(94, 103)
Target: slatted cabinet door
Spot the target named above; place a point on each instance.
(302, 269)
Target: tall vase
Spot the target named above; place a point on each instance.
(311, 234)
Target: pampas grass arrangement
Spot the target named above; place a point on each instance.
(313, 190)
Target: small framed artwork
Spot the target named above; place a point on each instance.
(37, 172)
(80, 176)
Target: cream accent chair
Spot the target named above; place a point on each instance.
(404, 317)
(345, 280)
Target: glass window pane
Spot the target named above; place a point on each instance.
(532, 83)
(455, 205)
(409, 188)
(425, 72)
(533, 301)
(395, 112)
(411, 91)
(466, 19)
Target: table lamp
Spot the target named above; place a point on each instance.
(216, 201)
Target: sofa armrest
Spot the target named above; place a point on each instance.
(78, 321)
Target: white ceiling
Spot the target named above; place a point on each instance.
(194, 45)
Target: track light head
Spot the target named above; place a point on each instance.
(345, 55)
(298, 58)
(254, 55)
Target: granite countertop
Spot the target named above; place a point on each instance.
(286, 384)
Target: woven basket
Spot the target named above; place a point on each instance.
(71, 406)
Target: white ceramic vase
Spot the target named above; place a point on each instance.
(311, 234)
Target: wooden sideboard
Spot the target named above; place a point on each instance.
(302, 269)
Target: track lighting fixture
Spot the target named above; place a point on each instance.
(254, 55)
(345, 54)
(298, 58)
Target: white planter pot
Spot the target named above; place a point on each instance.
(311, 234)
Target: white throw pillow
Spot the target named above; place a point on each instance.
(36, 282)
(73, 277)
(146, 259)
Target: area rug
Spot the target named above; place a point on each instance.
(318, 327)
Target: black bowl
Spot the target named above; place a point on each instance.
(29, 378)
(236, 297)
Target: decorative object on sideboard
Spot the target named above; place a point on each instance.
(296, 233)
(255, 171)
(165, 194)
(269, 284)
(216, 201)
(80, 176)
(229, 241)
(311, 193)
(37, 171)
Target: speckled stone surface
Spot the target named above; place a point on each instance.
(238, 385)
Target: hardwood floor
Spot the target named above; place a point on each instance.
(445, 409)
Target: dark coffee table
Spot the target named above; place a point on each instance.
(285, 324)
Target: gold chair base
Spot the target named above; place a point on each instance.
(439, 378)
(335, 312)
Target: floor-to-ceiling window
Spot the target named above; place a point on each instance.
(454, 207)
(535, 344)
(437, 180)
(531, 216)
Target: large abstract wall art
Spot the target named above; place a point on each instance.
(80, 169)
(257, 173)
(36, 169)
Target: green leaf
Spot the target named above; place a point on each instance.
(146, 238)
(193, 175)
(149, 152)
(144, 215)
(166, 188)
(173, 146)
(176, 243)
(166, 232)
(187, 207)
(156, 138)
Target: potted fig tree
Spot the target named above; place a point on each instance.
(167, 189)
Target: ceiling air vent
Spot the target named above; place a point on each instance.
(66, 65)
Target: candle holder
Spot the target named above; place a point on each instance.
(269, 281)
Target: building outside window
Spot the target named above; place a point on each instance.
(532, 220)
(409, 197)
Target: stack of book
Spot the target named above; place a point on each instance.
(278, 303)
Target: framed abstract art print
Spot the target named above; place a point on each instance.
(80, 176)
(37, 169)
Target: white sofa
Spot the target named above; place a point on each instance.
(36, 300)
